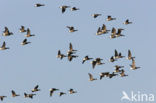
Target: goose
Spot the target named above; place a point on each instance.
(29, 33)
(133, 66)
(96, 15)
(29, 95)
(25, 42)
(22, 29)
(61, 93)
(71, 29)
(104, 29)
(129, 55)
(91, 77)
(74, 9)
(2, 97)
(52, 91)
(104, 74)
(98, 61)
(3, 47)
(99, 31)
(86, 58)
(61, 56)
(6, 32)
(118, 34)
(122, 74)
(35, 89)
(117, 68)
(127, 22)
(112, 59)
(14, 94)
(120, 55)
(39, 5)
(71, 91)
(109, 18)
(113, 33)
(70, 52)
(70, 57)
(112, 75)
(64, 8)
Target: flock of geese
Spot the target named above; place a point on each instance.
(6, 32)
(36, 89)
(71, 53)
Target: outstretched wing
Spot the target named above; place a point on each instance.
(36, 87)
(129, 54)
(90, 76)
(116, 53)
(70, 46)
(3, 46)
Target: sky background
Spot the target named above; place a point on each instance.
(23, 67)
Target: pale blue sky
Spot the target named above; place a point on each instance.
(23, 67)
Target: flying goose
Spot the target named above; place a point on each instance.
(71, 91)
(29, 33)
(96, 15)
(86, 58)
(74, 9)
(61, 56)
(61, 93)
(104, 74)
(24, 42)
(117, 68)
(22, 29)
(112, 59)
(70, 57)
(112, 75)
(71, 29)
(122, 74)
(99, 31)
(120, 55)
(6, 32)
(64, 8)
(2, 97)
(129, 55)
(3, 47)
(91, 77)
(52, 91)
(35, 89)
(14, 94)
(127, 22)
(113, 33)
(109, 18)
(133, 66)
(104, 29)
(118, 34)
(98, 61)
(39, 5)
(29, 95)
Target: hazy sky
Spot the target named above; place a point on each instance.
(23, 67)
